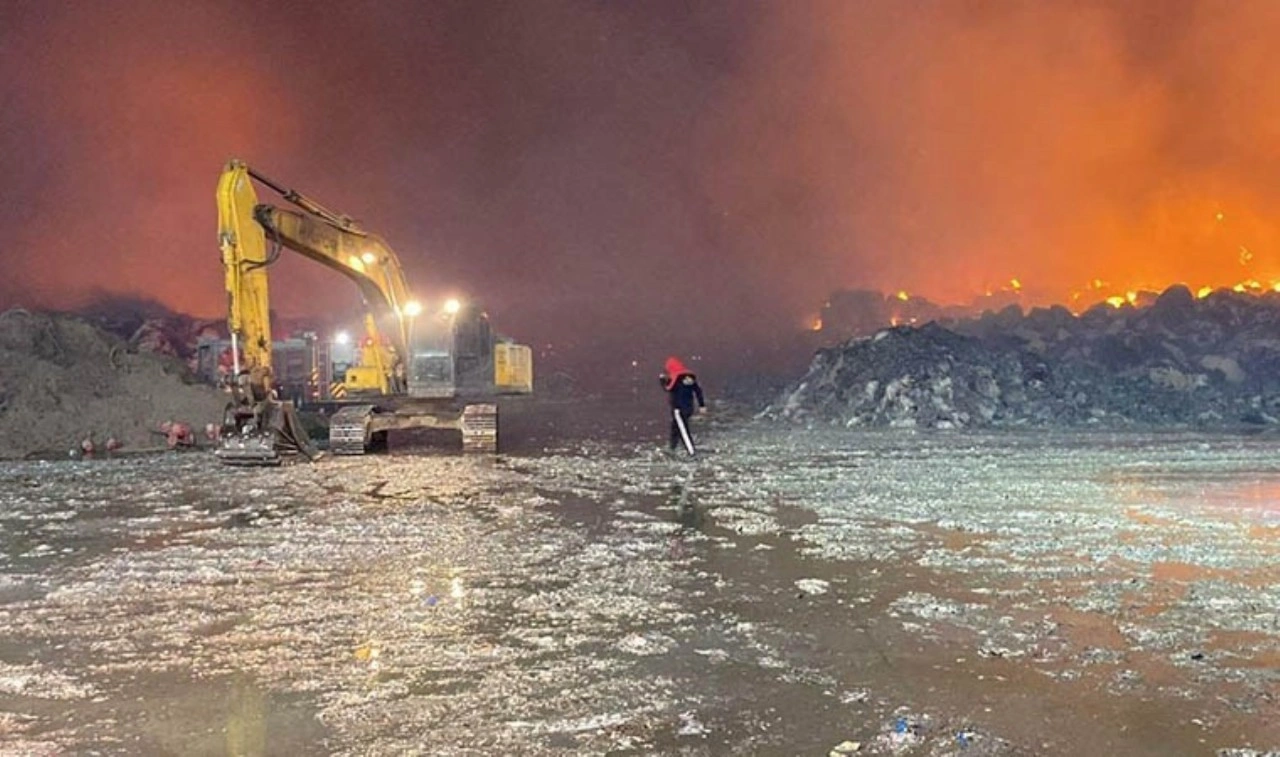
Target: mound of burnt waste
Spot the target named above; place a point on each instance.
(68, 385)
(1180, 361)
(148, 326)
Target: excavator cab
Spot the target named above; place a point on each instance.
(432, 371)
(453, 354)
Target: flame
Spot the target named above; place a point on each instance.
(815, 324)
(1253, 285)
(1094, 292)
(1100, 291)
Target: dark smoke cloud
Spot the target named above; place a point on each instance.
(703, 173)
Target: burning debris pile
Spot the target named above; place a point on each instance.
(65, 383)
(150, 327)
(1179, 361)
(850, 313)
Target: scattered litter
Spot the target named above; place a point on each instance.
(902, 734)
(690, 725)
(646, 644)
(999, 652)
(715, 655)
(573, 725)
(813, 586)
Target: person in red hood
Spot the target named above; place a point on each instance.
(682, 391)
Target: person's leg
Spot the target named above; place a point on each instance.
(675, 434)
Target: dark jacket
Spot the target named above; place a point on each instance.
(682, 387)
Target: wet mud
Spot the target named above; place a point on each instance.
(786, 592)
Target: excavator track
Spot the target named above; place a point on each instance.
(248, 450)
(349, 430)
(479, 426)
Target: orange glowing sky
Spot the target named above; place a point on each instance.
(648, 168)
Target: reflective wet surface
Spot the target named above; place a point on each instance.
(788, 592)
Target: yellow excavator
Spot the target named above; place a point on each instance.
(413, 369)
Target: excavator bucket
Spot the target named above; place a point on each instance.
(275, 431)
(250, 449)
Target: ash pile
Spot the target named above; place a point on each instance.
(1179, 361)
(67, 385)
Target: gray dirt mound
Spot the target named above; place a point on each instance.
(62, 379)
(1180, 361)
(905, 376)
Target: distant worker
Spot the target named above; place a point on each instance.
(177, 434)
(682, 390)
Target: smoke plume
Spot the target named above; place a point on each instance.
(662, 172)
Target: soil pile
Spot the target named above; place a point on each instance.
(63, 380)
(1180, 361)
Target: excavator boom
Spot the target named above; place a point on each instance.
(363, 258)
(245, 261)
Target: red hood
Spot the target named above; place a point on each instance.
(675, 369)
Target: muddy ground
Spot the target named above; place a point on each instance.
(789, 592)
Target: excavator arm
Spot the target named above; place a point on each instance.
(251, 234)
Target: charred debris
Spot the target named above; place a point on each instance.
(1179, 361)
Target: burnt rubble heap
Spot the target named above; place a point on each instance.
(66, 384)
(1181, 361)
(150, 327)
